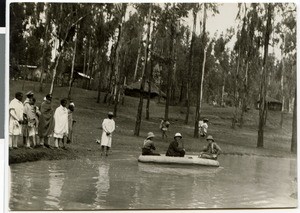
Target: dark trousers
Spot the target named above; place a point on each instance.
(177, 154)
(148, 152)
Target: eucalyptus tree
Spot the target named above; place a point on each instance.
(105, 26)
(26, 33)
(286, 31)
(140, 106)
(121, 11)
(204, 43)
(294, 127)
(247, 53)
(46, 47)
(17, 45)
(263, 88)
(64, 18)
(195, 9)
(171, 16)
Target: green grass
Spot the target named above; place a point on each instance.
(89, 116)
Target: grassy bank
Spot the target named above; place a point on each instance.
(89, 116)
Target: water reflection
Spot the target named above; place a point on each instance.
(120, 182)
(56, 181)
(102, 184)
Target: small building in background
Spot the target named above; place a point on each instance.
(134, 90)
(272, 104)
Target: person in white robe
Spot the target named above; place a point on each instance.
(61, 127)
(16, 110)
(108, 126)
(203, 126)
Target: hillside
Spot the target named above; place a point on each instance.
(89, 116)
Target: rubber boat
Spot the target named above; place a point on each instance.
(186, 160)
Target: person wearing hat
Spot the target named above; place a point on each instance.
(212, 150)
(32, 113)
(203, 126)
(149, 145)
(27, 109)
(108, 126)
(174, 149)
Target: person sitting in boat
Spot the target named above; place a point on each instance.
(149, 145)
(174, 150)
(212, 150)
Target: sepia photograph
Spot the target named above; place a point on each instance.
(152, 106)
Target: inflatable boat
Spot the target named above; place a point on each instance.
(186, 160)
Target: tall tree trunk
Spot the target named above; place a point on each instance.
(84, 62)
(175, 51)
(99, 86)
(294, 133)
(118, 61)
(138, 56)
(140, 107)
(263, 88)
(199, 92)
(44, 48)
(118, 79)
(89, 65)
(110, 69)
(149, 90)
(71, 80)
(170, 72)
(181, 92)
(245, 96)
(54, 72)
(196, 130)
(236, 101)
(223, 88)
(282, 86)
(160, 86)
(190, 68)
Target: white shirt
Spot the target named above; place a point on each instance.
(16, 109)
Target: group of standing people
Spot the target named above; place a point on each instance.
(38, 125)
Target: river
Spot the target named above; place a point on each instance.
(120, 182)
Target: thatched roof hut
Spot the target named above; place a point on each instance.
(272, 104)
(134, 90)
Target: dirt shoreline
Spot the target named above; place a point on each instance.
(23, 155)
(89, 116)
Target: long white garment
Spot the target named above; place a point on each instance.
(203, 128)
(16, 110)
(61, 126)
(108, 126)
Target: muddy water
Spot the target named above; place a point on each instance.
(120, 182)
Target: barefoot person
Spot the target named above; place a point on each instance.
(212, 150)
(27, 107)
(203, 126)
(46, 121)
(16, 110)
(61, 128)
(149, 145)
(71, 121)
(108, 126)
(174, 150)
(32, 113)
(164, 125)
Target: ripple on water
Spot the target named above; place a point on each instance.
(120, 182)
